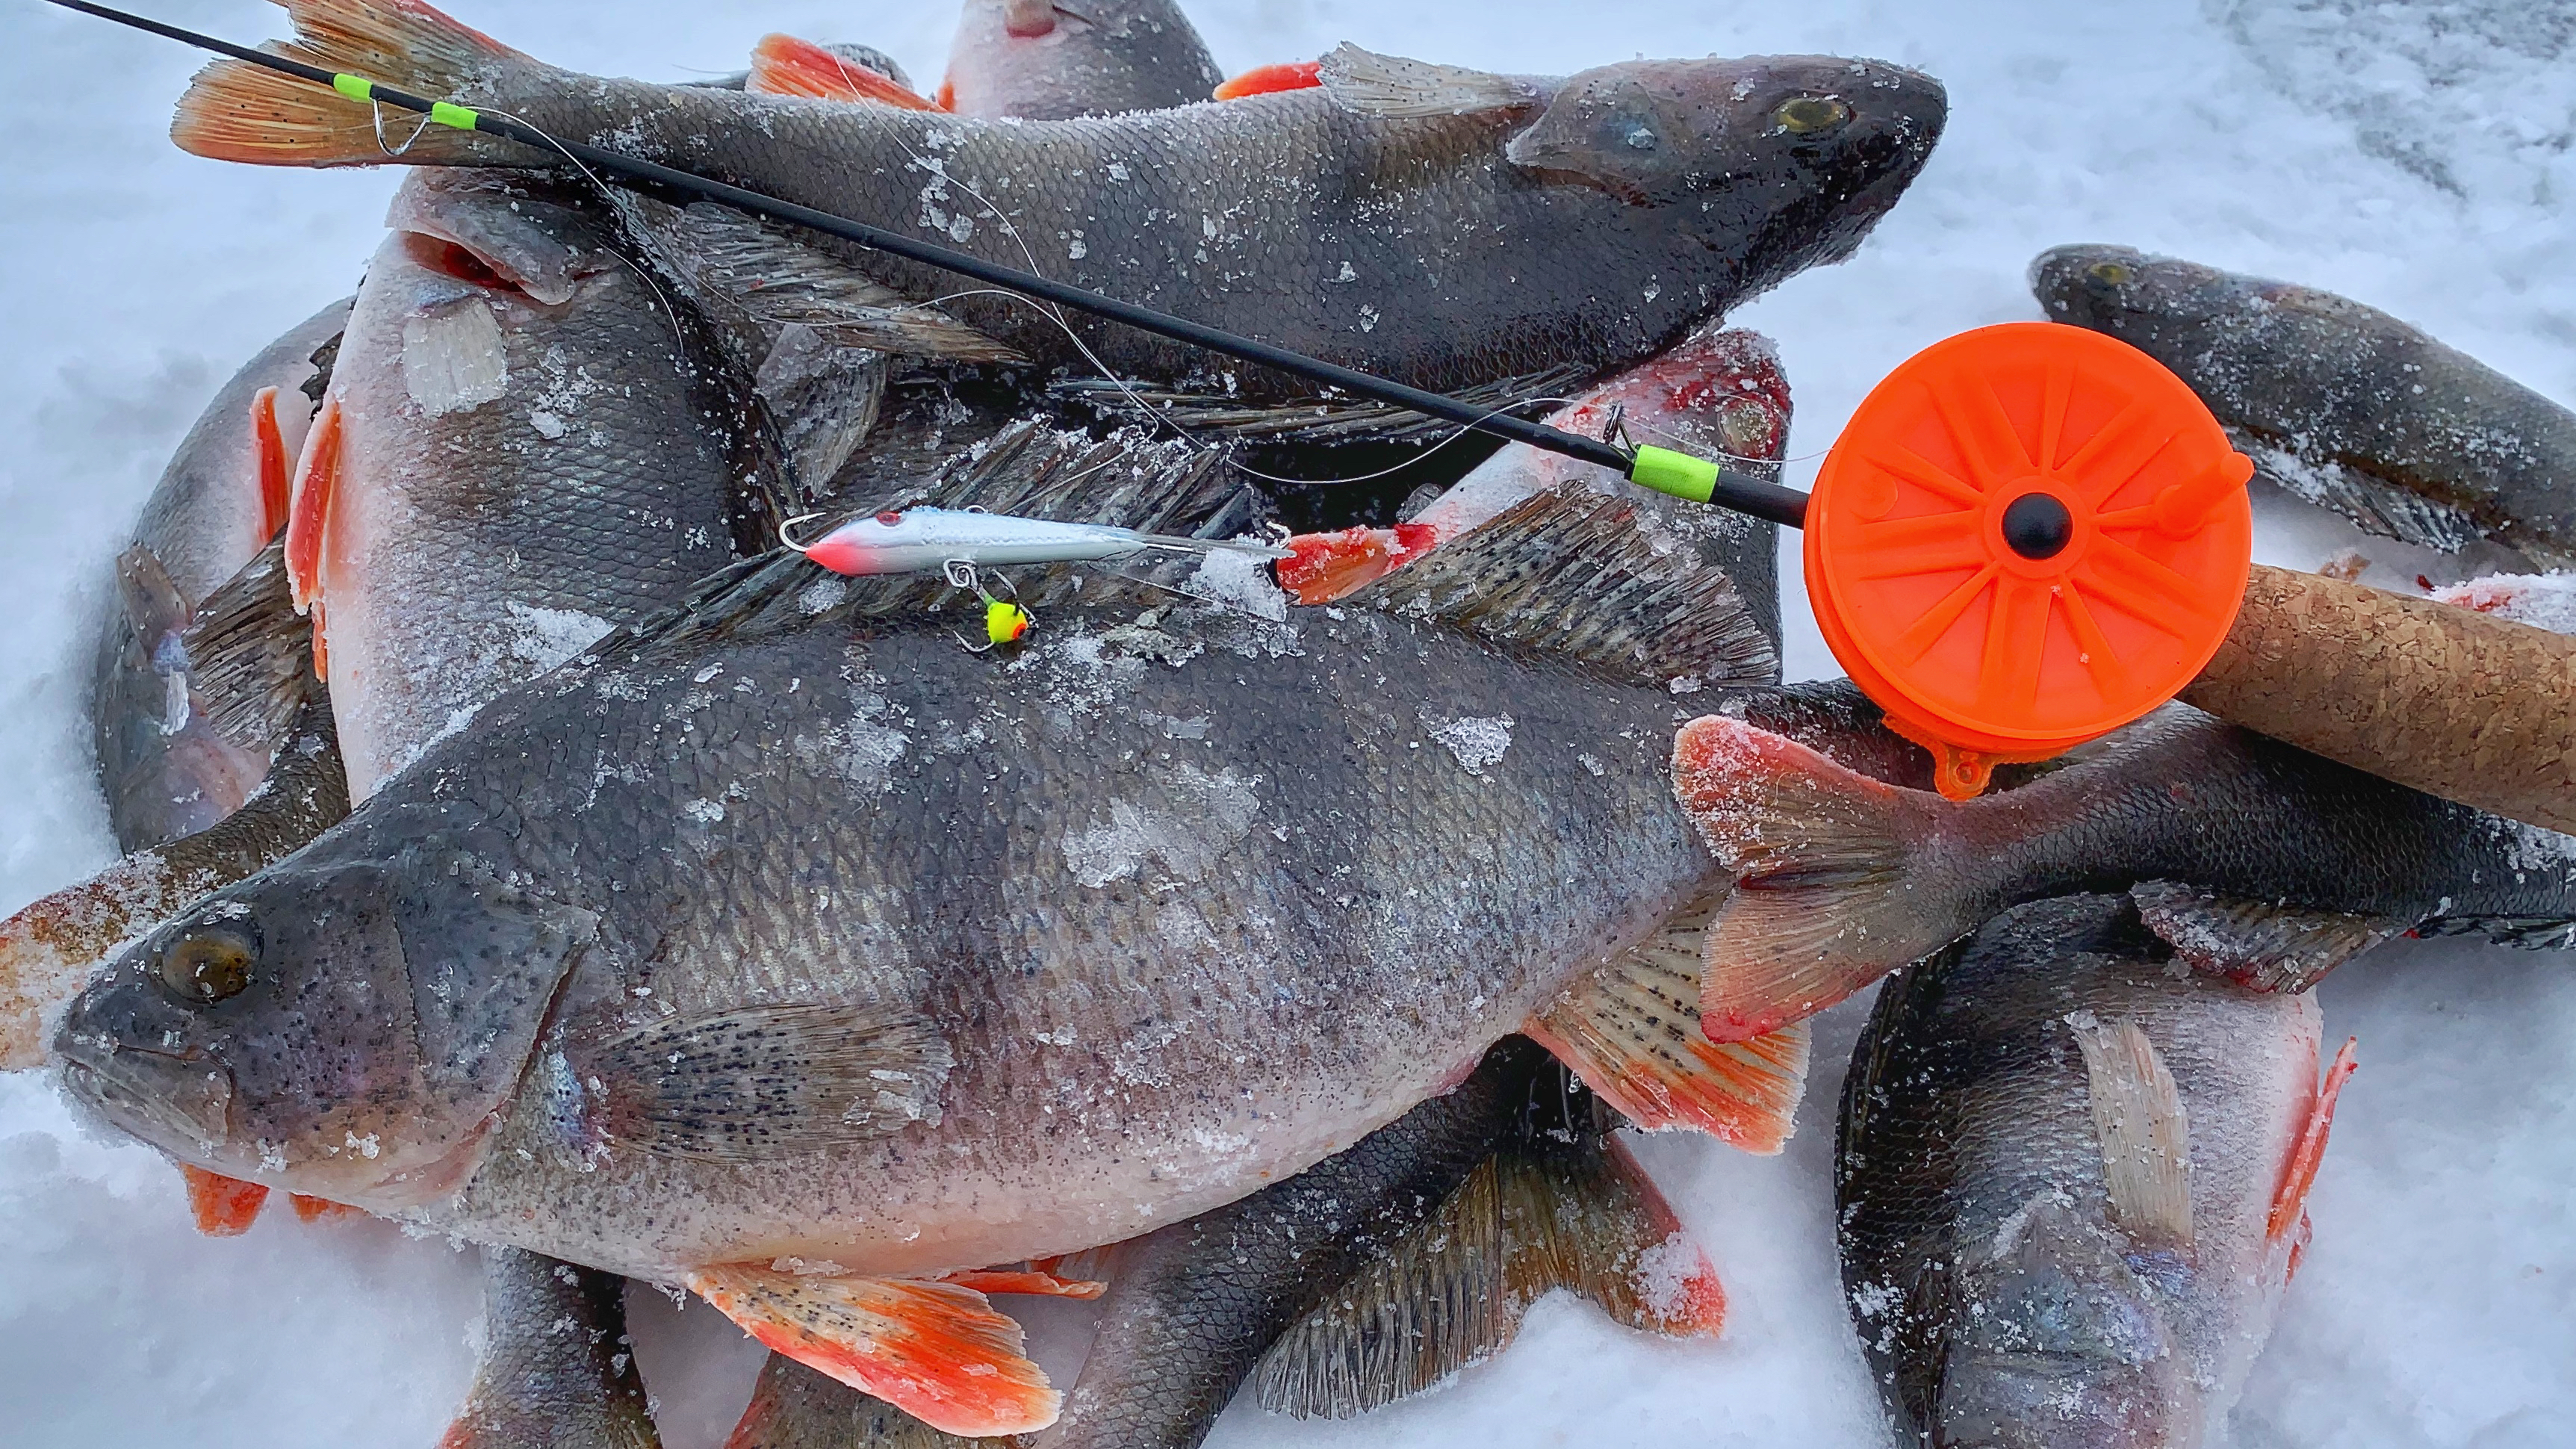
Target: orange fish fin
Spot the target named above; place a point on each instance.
(317, 474)
(2290, 1203)
(782, 65)
(225, 1207)
(276, 470)
(1824, 904)
(1322, 567)
(937, 1351)
(320, 1209)
(946, 100)
(234, 111)
(1631, 1031)
(1035, 1281)
(1262, 80)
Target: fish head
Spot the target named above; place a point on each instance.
(500, 234)
(2110, 288)
(1812, 136)
(2062, 1341)
(347, 1030)
(1055, 59)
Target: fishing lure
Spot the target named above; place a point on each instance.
(961, 542)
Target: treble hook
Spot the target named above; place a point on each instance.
(1004, 621)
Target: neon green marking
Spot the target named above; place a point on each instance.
(1678, 474)
(355, 87)
(447, 115)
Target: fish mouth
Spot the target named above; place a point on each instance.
(180, 1103)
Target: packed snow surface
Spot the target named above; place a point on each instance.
(2414, 156)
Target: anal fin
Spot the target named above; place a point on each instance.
(224, 1207)
(934, 1350)
(1632, 1032)
(1032, 1280)
(2308, 1149)
(2257, 944)
(2141, 1128)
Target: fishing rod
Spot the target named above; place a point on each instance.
(1679, 474)
(2027, 535)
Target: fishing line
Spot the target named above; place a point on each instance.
(1700, 480)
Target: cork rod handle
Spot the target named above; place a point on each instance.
(2447, 700)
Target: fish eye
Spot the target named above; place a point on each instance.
(2110, 274)
(1811, 115)
(208, 963)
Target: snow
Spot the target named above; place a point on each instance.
(2416, 157)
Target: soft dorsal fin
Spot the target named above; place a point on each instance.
(2264, 945)
(1387, 85)
(1573, 574)
(1631, 1031)
(1452, 1291)
(2144, 1134)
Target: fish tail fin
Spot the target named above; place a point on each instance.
(225, 1207)
(236, 111)
(937, 1351)
(782, 65)
(1598, 1226)
(1828, 897)
(49, 948)
(1631, 1032)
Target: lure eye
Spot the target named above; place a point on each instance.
(208, 963)
(1811, 115)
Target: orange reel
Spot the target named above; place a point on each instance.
(2028, 536)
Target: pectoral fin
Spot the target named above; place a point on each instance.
(1631, 1031)
(934, 1350)
(744, 1086)
(2139, 1123)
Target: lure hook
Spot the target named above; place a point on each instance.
(377, 109)
(787, 540)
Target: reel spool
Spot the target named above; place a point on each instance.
(2028, 536)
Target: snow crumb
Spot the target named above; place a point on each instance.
(546, 638)
(2544, 601)
(1476, 741)
(1239, 580)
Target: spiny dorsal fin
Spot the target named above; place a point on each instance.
(1387, 85)
(1631, 1031)
(1127, 480)
(744, 1086)
(1571, 573)
(2262, 945)
(2144, 1134)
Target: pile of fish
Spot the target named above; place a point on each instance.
(1024, 886)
